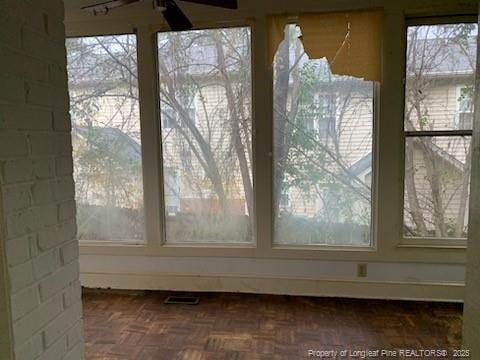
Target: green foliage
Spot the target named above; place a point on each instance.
(314, 166)
(423, 121)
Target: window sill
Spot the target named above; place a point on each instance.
(210, 245)
(429, 243)
(120, 243)
(327, 248)
(403, 252)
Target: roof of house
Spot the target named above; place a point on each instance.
(361, 165)
(447, 59)
(365, 163)
(110, 138)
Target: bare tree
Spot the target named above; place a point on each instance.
(313, 112)
(432, 62)
(208, 72)
(105, 128)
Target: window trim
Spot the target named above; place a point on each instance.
(253, 244)
(373, 245)
(387, 213)
(413, 242)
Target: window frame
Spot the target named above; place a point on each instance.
(263, 245)
(422, 241)
(372, 247)
(113, 242)
(386, 225)
(154, 244)
(207, 245)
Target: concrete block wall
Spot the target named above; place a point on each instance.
(37, 209)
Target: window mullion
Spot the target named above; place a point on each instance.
(438, 133)
(262, 137)
(151, 141)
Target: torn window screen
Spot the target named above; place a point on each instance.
(350, 41)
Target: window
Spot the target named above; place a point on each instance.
(172, 191)
(170, 117)
(102, 74)
(205, 83)
(464, 114)
(323, 131)
(440, 73)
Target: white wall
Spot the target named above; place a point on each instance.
(471, 325)
(37, 209)
(396, 269)
(275, 276)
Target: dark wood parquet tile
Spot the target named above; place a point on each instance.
(258, 327)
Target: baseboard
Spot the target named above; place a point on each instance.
(420, 291)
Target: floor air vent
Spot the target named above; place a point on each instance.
(187, 300)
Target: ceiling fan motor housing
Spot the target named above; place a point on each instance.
(160, 5)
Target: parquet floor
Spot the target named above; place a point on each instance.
(253, 327)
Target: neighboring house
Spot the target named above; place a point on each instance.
(440, 80)
(446, 105)
(205, 113)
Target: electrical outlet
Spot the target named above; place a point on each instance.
(361, 270)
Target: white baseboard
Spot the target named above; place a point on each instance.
(423, 291)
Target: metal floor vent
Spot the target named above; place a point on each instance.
(186, 300)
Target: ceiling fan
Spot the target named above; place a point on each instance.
(174, 16)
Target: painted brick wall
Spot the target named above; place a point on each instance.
(5, 313)
(37, 214)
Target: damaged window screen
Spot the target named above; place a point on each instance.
(323, 129)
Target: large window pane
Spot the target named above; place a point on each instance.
(440, 77)
(102, 74)
(437, 178)
(323, 128)
(205, 100)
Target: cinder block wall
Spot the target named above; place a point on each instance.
(37, 208)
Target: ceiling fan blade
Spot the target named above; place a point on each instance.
(106, 5)
(228, 4)
(175, 17)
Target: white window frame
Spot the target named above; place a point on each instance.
(429, 242)
(154, 206)
(387, 223)
(286, 248)
(202, 246)
(113, 242)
